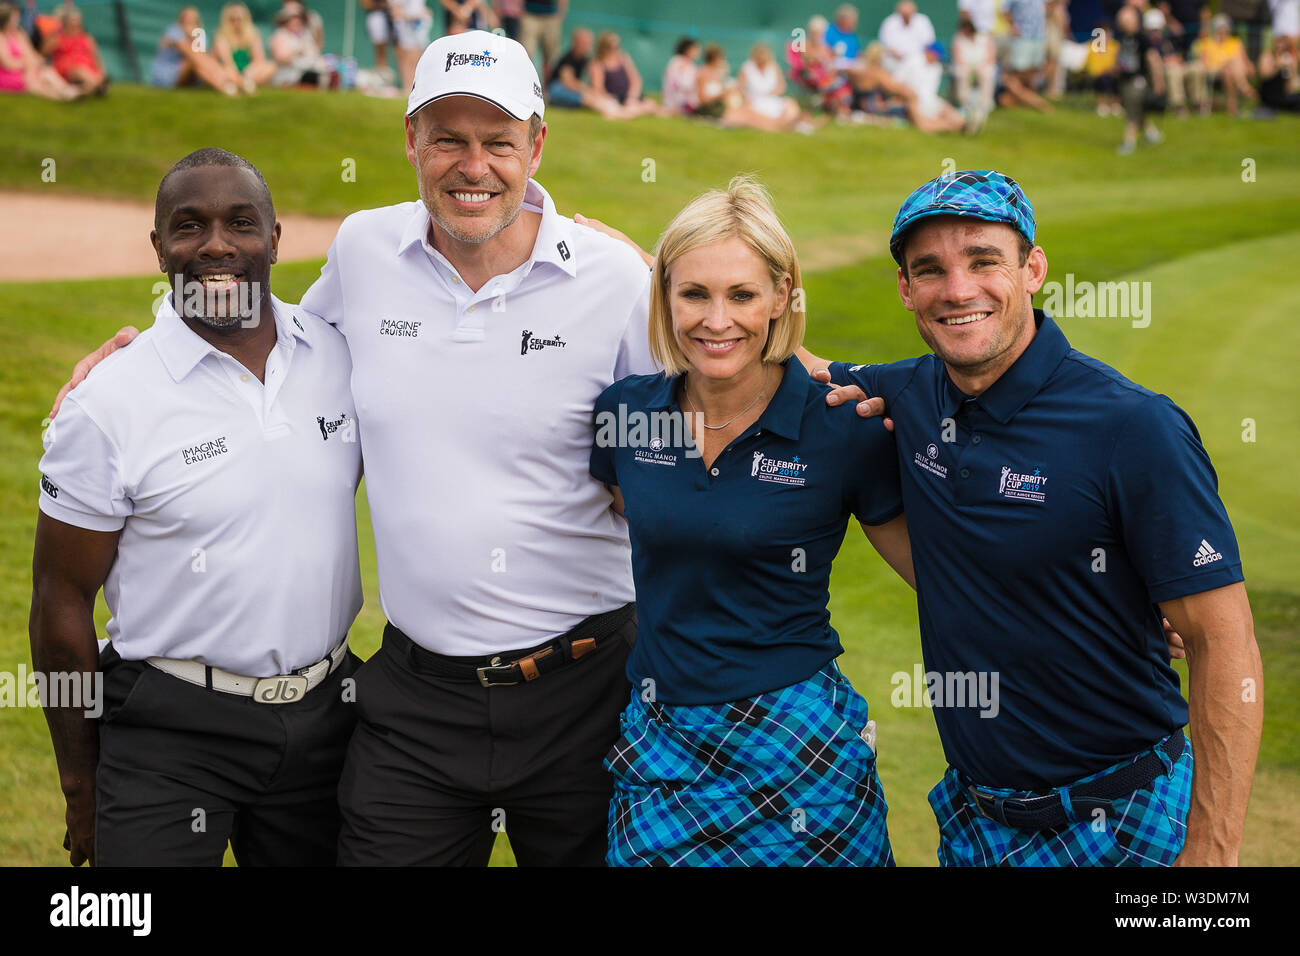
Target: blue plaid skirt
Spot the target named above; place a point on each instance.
(779, 779)
(1146, 828)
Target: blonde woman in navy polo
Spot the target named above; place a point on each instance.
(743, 743)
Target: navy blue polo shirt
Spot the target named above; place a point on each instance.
(732, 562)
(1068, 502)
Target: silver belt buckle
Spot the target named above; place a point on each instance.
(281, 689)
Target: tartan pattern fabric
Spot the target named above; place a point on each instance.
(977, 193)
(781, 779)
(1146, 828)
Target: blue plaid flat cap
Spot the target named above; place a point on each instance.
(977, 193)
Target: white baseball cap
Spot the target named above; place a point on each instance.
(487, 65)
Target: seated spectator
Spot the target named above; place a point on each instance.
(879, 94)
(974, 70)
(763, 88)
(568, 87)
(812, 67)
(614, 75)
(315, 22)
(1223, 62)
(1026, 54)
(679, 78)
(1174, 72)
(912, 57)
(22, 69)
(298, 60)
(905, 34)
(183, 60)
(1100, 70)
(75, 55)
(239, 49)
(842, 35)
(1279, 80)
(720, 98)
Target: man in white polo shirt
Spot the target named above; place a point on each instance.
(205, 478)
(482, 326)
(505, 578)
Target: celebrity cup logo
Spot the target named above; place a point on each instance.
(777, 471)
(1024, 487)
(469, 59)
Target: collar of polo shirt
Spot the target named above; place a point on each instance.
(1023, 380)
(554, 236)
(182, 349)
(784, 413)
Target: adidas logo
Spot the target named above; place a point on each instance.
(1205, 554)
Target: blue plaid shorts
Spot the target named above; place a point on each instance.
(781, 779)
(1147, 828)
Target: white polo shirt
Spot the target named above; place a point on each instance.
(476, 423)
(908, 40)
(236, 500)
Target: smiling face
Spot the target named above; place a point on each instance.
(971, 295)
(473, 163)
(723, 301)
(216, 229)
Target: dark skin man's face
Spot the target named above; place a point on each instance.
(217, 230)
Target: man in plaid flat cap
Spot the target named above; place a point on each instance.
(1056, 512)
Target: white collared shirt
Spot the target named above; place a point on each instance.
(476, 417)
(907, 40)
(235, 499)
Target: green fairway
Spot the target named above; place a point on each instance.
(1219, 253)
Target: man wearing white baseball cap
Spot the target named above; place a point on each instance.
(505, 577)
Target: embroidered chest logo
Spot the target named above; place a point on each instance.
(777, 471)
(530, 343)
(346, 426)
(929, 461)
(400, 328)
(205, 450)
(1023, 487)
(655, 454)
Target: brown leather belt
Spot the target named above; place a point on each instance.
(516, 667)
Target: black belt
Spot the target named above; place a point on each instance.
(517, 667)
(1049, 811)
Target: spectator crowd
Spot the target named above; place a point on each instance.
(1142, 59)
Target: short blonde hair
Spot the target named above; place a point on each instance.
(743, 211)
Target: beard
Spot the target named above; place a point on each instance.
(458, 232)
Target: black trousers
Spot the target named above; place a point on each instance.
(184, 770)
(437, 767)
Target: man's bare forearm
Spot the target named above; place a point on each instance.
(62, 631)
(1226, 716)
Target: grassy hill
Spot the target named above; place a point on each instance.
(1219, 253)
